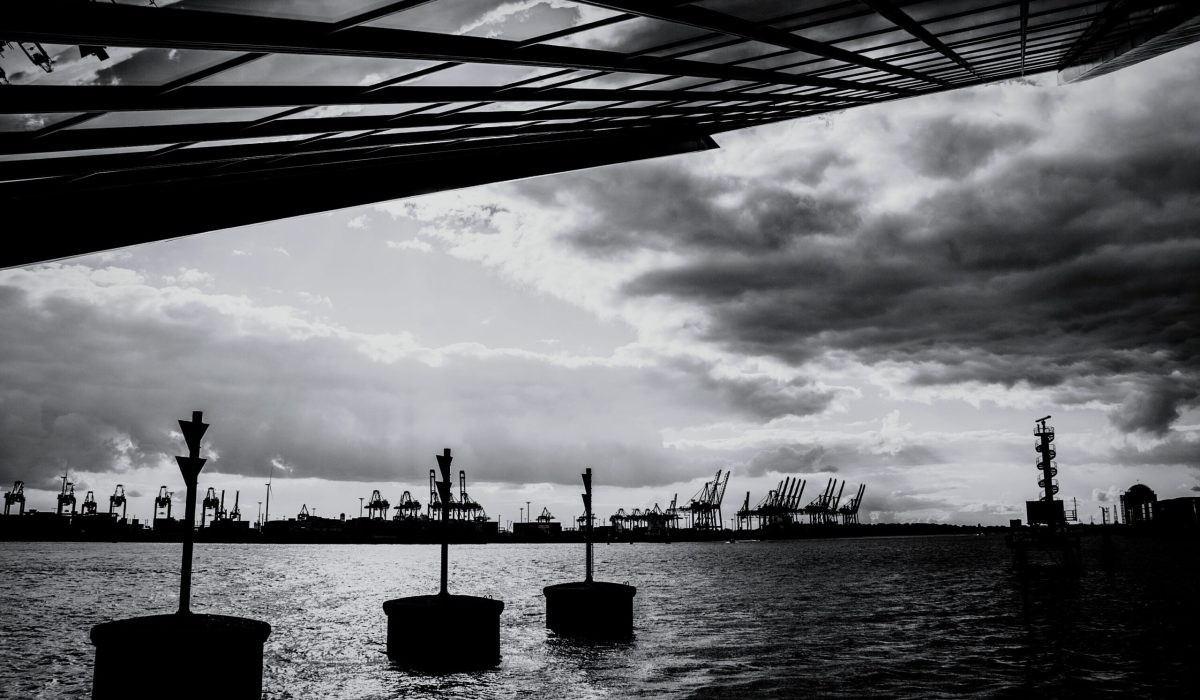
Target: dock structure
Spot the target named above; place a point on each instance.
(459, 632)
(185, 643)
(590, 609)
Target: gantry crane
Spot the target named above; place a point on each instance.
(849, 511)
(408, 508)
(66, 497)
(303, 514)
(705, 507)
(210, 502)
(162, 501)
(818, 509)
(117, 499)
(89, 504)
(468, 508)
(17, 495)
(377, 507)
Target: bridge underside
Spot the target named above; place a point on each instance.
(124, 123)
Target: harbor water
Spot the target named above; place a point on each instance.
(912, 617)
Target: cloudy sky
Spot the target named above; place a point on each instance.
(889, 295)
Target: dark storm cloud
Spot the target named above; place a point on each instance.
(760, 397)
(1074, 270)
(947, 146)
(662, 207)
(1175, 449)
(801, 458)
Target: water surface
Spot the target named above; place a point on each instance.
(891, 617)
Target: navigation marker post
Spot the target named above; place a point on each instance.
(468, 625)
(142, 656)
(590, 609)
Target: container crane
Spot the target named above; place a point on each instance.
(831, 508)
(408, 508)
(89, 504)
(705, 507)
(377, 507)
(236, 514)
(303, 514)
(17, 495)
(849, 511)
(672, 512)
(817, 508)
(66, 497)
(468, 508)
(210, 502)
(162, 501)
(117, 499)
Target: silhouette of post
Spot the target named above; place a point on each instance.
(128, 666)
(587, 527)
(190, 467)
(590, 609)
(443, 488)
(421, 629)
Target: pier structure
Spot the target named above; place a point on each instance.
(590, 609)
(459, 632)
(185, 643)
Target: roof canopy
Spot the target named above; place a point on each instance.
(126, 122)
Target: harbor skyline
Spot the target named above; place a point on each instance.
(889, 295)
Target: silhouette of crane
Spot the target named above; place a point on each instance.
(162, 501)
(210, 502)
(117, 499)
(377, 507)
(66, 497)
(704, 508)
(17, 495)
(89, 504)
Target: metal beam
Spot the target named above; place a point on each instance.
(69, 22)
(132, 136)
(712, 21)
(901, 19)
(161, 164)
(35, 99)
(100, 219)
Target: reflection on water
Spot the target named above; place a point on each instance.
(902, 617)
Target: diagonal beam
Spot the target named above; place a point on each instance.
(165, 209)
(68, 22)
(260, 157)
(901, 19)
(721, 23)
(22, 99)
(12, 143)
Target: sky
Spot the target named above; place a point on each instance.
(889, 295)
